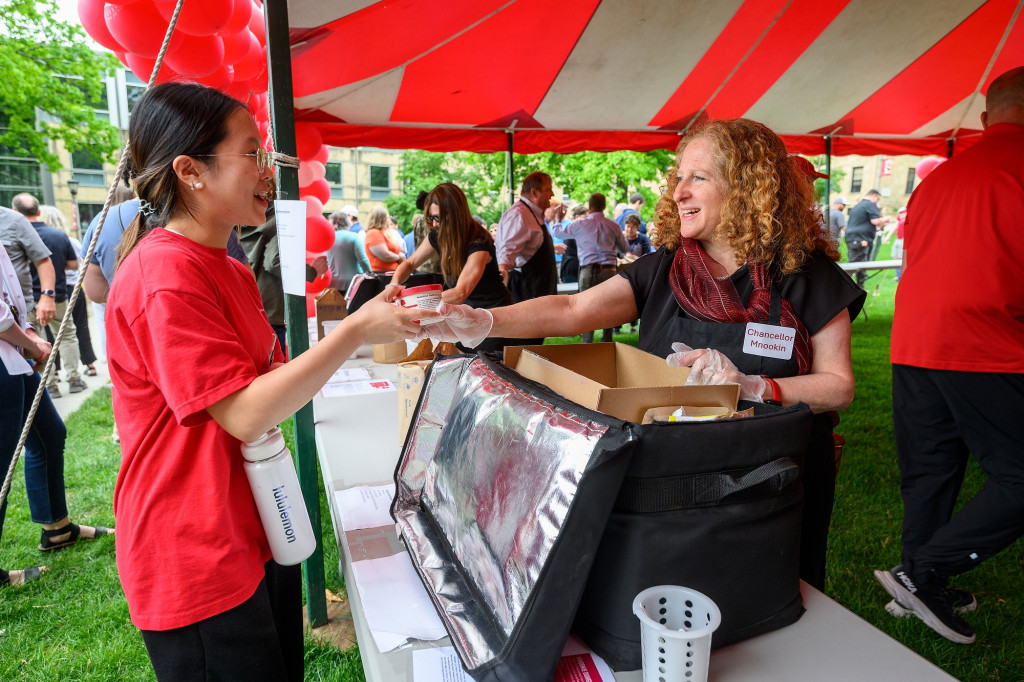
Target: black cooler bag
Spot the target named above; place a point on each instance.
(522, 510)
(714, 506)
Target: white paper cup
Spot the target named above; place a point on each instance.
(329, 325)
(675, 633)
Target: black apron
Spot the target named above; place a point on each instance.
(819, 473)
(538, 276)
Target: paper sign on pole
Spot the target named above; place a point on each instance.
(291, 240)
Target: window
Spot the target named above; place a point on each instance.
(856, 179)
(380, 182)
(333, 177)
(18, 173)
(134, 88)
(911, 177)
(88, 210)
(87, 169)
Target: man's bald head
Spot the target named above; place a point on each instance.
(1004, 102)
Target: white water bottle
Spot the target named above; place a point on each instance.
(275, 487)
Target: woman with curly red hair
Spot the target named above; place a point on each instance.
(741, 270)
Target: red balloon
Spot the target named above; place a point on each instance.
(139, 28)
(926, 166)
(307, 141)
(143, 68)
(199, 18)
(313, 205)
(240, 16)
(261, 81)
(197, 56)
(90, 12)
(254, 59)
(310, 172)
(236, 46)
(310, 306)
(322, 154)
(219, 79)
(319, 234)
(240, 89)
(257, 26)
(319, 189)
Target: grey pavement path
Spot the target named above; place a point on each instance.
(69, 402)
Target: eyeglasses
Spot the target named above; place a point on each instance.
(262, 156)
(436, 219)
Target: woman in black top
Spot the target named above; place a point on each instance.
(466, 251)
(743, 277)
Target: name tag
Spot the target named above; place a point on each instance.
(769, 341)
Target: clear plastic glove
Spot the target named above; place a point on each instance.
(458, 324)
(708, 367)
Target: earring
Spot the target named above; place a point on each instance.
(193, 185)
(198, 185)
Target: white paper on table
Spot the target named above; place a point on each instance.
(343, 388)
(349, 374)
(396, 605)
(438, 665)
(365, 506)
(291, 241)
(578, 664)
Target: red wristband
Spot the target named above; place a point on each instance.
(776, 391)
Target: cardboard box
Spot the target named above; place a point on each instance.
(616, 379)
(410, 385)
(389, 353)
(330, 306)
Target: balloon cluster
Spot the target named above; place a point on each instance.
(315, 191)
(222, 44)
(219, 43)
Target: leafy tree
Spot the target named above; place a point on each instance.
(482, 177)
(838, 174)
(47, 65)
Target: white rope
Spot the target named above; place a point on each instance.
(81, 276)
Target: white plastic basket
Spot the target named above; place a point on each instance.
(675, 633)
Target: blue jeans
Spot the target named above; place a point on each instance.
(44, 449)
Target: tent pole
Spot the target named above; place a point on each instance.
(949, 148)
(282, 116)
(828, 172)
(510, 170)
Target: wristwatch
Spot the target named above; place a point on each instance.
(48, 292)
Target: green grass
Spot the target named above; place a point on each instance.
(73, 623)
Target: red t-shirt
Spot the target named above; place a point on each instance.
(960, 304)
(185, 328)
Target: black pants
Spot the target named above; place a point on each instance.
(940, 418)
(80, 315)
(260, 639)
(857, 253)
(819, 479)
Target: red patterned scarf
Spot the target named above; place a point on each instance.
(708, 299)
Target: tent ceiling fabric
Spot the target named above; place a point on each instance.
(879, 76)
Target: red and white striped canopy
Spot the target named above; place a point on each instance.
(878, 76)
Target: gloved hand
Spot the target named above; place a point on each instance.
(708, 367)
(457, 323)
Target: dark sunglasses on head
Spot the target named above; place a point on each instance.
(436, 219)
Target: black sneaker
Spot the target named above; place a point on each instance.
(962, 601)
(929, 603)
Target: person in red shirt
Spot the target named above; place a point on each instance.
(958, 366)
(197, 371)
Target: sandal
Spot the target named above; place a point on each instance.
(90, 371)
(73, 532)
(19, 578)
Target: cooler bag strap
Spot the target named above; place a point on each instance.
(670, 493)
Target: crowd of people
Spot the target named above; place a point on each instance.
(735, 239)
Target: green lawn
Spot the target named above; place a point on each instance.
(73, 623)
